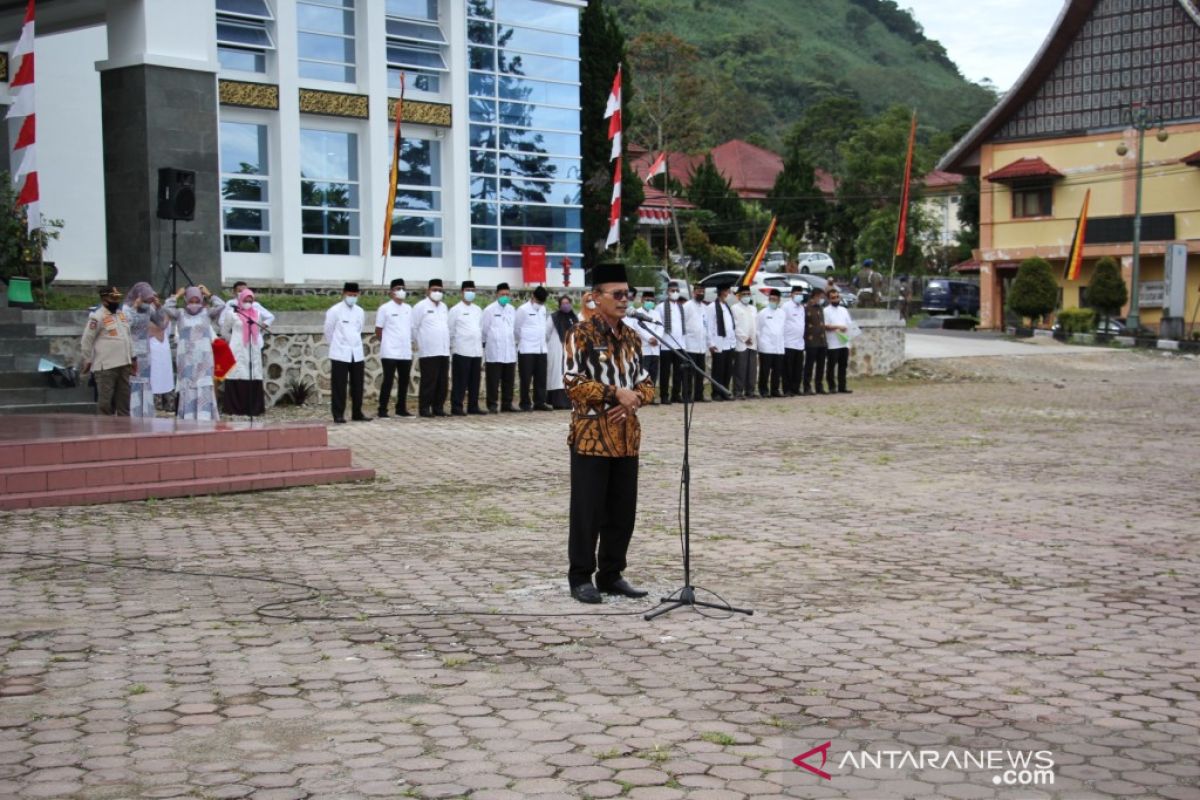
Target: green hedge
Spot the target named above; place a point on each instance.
(1077, 320)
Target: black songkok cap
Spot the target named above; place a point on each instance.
(397, 283)
(434, 283)
(776, 293)
(540, 294)
(609, 272)
(349, 286)
(467, 285)
(500, 287)
(647, 295)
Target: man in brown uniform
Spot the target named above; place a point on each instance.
(815, 346)
(108, 353)
(604, 378)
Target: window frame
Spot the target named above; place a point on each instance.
(1021, 196)
(265, 235)
(324, 125)
(258, 22)
(353, 37)
(438, 243)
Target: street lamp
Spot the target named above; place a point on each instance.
(1141, 119)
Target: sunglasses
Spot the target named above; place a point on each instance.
(619, 294)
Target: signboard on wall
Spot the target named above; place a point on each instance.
(1175, 272)
(1151, 293)
(533, 263)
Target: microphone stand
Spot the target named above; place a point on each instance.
(263, 330)
(685, 596)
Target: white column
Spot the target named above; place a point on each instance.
(456, 192)
(165, 33)
(377, 144)
(285, 225)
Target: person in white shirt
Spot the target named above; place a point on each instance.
(393, 326)
(531, 332)
(651, 343)
(837, 328)
(671, 367)
(745, 357)
(695, 341)
(466, 353)
(500, 350)
(770, 347)
(343, 334)
(265, 317)
(563, 320)
(793, 342)
(431, 340)
(722, 340)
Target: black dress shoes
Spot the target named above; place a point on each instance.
(361, 418)
(543, 407)
(458, 412)
(479, 412)
(402, 412)
(845, 391)
(340, 420)
(586, 593)
(437, 412)
(426, 414)
(623, 588)
(381, 415)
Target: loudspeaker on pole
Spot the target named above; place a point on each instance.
(176, 194)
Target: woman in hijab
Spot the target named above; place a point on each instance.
(194, 358)
(563, 319)
(142, 308)
(240, 326)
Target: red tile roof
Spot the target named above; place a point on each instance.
(970, 265)
(1024, 169)
(942, 180)
(750, 170)
(1193, 160)
(657, 198)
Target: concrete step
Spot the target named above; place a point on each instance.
(18, 330)
(183, 488)
(10, 315)
(49, 408)
(24, 345)
(25, 380)
(21, 362)
(119, 473)
(44, 395)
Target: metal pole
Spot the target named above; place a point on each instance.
(1133, 321)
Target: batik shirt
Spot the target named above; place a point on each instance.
(598, 360)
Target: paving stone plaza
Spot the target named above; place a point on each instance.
(974, 559)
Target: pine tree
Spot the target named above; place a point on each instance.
(795, 198)
(601, 50)
(710, 190)
(1034, 292)
(1107, 292)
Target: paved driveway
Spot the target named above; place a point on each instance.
(995, 560)
(947, 344)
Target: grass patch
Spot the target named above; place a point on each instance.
(723, 739)
(455, 661)
(137, 688)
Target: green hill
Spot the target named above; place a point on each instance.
(767, 60)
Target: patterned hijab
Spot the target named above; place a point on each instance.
(138, 293)
(190, 294)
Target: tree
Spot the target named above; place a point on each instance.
(710, 190)
(1107, 292)
(1034, 292)
(696, 243)
(668, 108)
(826, 124)
(601, 50)
(21, 250)
(794, 198)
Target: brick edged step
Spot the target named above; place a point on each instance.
(188, 488)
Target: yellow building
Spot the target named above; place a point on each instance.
(1059, 132)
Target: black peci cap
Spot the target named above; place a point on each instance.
(467, 285)
(434, 283)
(776, 293)
(349, 286)
(502, 287)
(609, 272)
(397, 283)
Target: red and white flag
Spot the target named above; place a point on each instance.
(612, 112)
(659, 166)
(25, 146)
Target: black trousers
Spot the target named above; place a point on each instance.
(836, 360)
(343, 372)
(396, 371)
(434, 377)
(745, 372)
(500, 381)
(793, 370)
(691, 381)
(603, 510)
(722, 372)
(814, 366)
(770, 373)
(670, 377)
(650, 364)
(532, 367)
(465, 374)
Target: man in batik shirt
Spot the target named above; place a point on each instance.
(604, 378)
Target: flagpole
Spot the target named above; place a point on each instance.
(391, 192)
(902, 226)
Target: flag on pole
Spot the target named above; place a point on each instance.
(25, 146)
(1075, 260)
(659, 167)
(902, 230)
(612, 112)
(759, 254)
(393, 175)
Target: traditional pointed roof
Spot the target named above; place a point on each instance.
(1024, 169)
(750, 170)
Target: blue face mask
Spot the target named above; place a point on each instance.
(469, 297)
(350, 300)
(774, 304)
(503, 299)
(648, 305)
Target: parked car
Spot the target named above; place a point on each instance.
(764, 282)
(819, 263)
(1113, 327)
(944, 296)
(849, 294)
(775, 261)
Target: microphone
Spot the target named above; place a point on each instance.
(642, 316)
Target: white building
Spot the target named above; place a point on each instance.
(285, 109)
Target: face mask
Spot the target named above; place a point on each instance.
(835, 303)
(774, 304)
(747, 300)
(435, 297)
(728, 301)
(469, 297)
(112, 307)
(195, 308)
(591, 304)
(350, 300)
(564, 307)
(399, 294)
(648, 305)
(503, 299)
(673, 295)
(248, 304)
(797, 299)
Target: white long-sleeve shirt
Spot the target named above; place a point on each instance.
(466, 331)
(264, 317)
(499, 342)
(394, 320)
(770, 331)
(746, 317)
(729, 340)
(430, 329)
(672, 316)
(793, 326)
(343, 332)
(694, 327)
(836, 315)
(655, 335)
(530, 330)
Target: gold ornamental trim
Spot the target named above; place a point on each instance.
(3, 67)
(333, 104)
(422, 113)
(249, 95)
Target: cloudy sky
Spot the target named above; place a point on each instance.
(993, 39)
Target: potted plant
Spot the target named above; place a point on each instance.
(21, 249)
